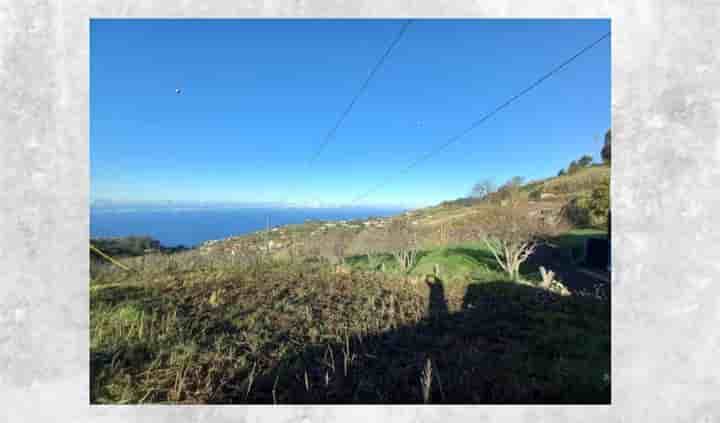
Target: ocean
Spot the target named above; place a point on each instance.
(191, 227)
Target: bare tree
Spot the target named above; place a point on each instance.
(402, 242)
(295, 248)
(312, 246)
(341, 242)
(510, 192)
(513, 233)
(369, 243)
(511, 238)
(333, 246)
(445, 233)
(483, 188)
(437, 235)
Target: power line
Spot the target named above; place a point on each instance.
(364, 86)
(354, 100)
(479, 121)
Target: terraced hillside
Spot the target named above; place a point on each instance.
(312, 314)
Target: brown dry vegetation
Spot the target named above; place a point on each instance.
(273, 332)
(237, 322)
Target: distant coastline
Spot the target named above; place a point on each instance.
(191, 226)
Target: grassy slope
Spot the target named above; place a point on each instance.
(215, 332)
(579, 182)
(294, 334)
(563, 187)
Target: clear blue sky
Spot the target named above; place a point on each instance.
(258, 96)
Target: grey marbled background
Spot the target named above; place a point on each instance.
(666, 173)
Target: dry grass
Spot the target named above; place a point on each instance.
(187, 329)
(584, 180)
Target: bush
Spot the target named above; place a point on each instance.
(600, 202)
(589, 210)
(126, 247)
(577, 211)
(585, 180)
(605, 152)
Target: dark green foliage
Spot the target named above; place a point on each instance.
(573, 167)
(577, 211)
(600, 200)
(585, 161)
(126, 247)
(590, 210)
(131, 246)
(605, 152)
(582, 162)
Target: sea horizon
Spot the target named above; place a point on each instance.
(192, 226)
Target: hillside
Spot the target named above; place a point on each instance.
(299, 334)
(545, 196)
(322, 313)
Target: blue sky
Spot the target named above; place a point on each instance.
(258, 96)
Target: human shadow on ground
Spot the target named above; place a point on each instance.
(437, 304)
(509, 344)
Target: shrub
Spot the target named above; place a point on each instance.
(589, 210)
(127, 246)
(585, 161)
(586, 180)
(605, 152)
(536, 194)
(600, 202)
(577, 211)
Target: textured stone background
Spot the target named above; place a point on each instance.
(666, 173)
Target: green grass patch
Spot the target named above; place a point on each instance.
(462, 262)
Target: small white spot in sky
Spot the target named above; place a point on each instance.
(656, 122)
